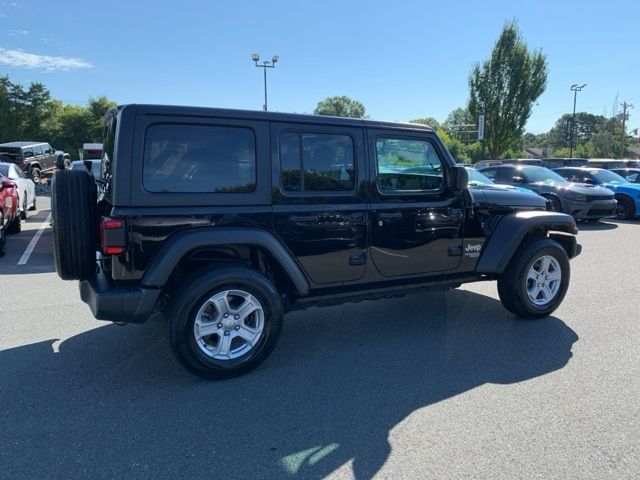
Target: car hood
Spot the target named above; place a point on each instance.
(580, 188)
(630, 188)
(505, 196)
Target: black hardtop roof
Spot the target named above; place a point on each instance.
(514, 165)
(174, 110)
(21, 144)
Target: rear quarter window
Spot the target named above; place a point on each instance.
(199, 159)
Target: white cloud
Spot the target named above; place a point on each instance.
(20, 59)
(15, 33)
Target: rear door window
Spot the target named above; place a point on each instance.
(316, 162)
(199, 159)
(28, 152)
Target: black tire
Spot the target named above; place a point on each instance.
(35, 198)
(556, 204)
(23, 212)
(626, 208)
(35, 174)
(16, 225)
(513, 283)
(192, 295)
(3, 242)
(75, 225)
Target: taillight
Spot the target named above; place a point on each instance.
(112, 236)
(21, 163)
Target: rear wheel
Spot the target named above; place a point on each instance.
(224, 323)
(35, 175)
(16, 225)
(626, 208)
(75, 225)
(23, 212)
(536, 280)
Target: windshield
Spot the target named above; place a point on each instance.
(476, 178)
(606, 176)
(541, 175)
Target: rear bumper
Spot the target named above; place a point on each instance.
(123, 305)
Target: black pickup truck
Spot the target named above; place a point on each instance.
(218, 222)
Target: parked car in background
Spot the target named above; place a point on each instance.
(552, 163)
(63, 159)
(627, 194)
(9, 217)
(607, 163)
(582, 202)
(32, 157)
(26, 187)
(522, 161)
(90, 166)
(486, 192)
(631, 175)
(92, 151)
(487, 163)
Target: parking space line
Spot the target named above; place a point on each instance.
(32, 244)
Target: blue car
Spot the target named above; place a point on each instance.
(627, 194)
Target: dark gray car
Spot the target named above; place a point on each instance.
(581, 201)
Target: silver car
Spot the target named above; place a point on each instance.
(25, 186)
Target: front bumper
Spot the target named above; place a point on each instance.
(122, 305)
(591, 210)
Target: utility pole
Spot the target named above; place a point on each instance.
(625, 106)
(575, 88)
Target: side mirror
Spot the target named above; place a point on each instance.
(518, 180)
(589, 181)
(458, 179)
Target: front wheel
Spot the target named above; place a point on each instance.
(224, 323)
(626, 208)
(3, 243)
(536, 280)
(23, 212)
(35, 175)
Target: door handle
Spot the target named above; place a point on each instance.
(389, 215)
(304, 218)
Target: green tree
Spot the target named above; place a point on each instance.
(505, 87)
(340, 106)
(457, 124)
(586, 126)
(429, 121)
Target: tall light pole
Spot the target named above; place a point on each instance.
(575, 89)
(264, 65)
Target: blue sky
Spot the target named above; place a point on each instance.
(402, 59)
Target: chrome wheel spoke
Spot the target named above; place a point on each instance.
(247, 308)
(248, 334)
(204, 329)
(224, 345)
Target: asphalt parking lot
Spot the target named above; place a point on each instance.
(440, 385)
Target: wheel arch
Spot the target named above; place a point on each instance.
(257, 248)
(513, 229)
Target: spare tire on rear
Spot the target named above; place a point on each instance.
(75, 224)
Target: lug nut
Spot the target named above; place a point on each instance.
(236, 317)
(237, 327)
(226, 315)
(226, 334)
(219, 325)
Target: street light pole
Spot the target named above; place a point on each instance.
(575, 89)
(265, 64)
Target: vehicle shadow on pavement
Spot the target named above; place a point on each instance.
(593, 226)
(112, 402)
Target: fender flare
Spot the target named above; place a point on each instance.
(512, 229)
(180, 243)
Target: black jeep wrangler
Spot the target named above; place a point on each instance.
(220, 221)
